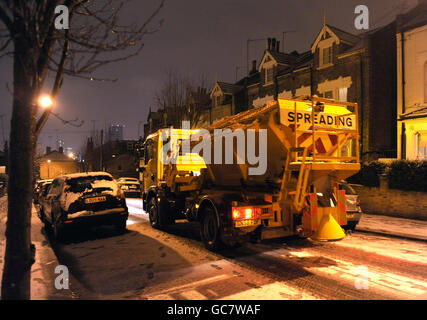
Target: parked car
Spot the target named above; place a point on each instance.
(130, 188)
(84, 199)
(127, 179)
(37, 188)
(354, 212)
(44, 190)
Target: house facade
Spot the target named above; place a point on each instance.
(411, 42)
(340, 66)
(55, 163)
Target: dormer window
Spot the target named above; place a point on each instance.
(326, 56)
(268, 75)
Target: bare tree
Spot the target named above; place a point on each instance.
(182, 98)
(30, 32)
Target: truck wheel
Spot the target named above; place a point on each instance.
(153, 213)
(209, 230)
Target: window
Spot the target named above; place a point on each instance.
(329, 95)
(218, 100)
(268, 75)
(425, 82)
(326, 56)
(421, 145)
(342, 94)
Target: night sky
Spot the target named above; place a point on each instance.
(198, 36)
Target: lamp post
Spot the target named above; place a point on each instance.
(48, 173)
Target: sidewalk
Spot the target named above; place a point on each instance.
(400, 227)
(43, 270)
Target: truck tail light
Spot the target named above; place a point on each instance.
(245, 213)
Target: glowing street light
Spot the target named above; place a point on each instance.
(45, 102)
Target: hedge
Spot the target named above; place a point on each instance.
(369, 174)
(407, 175)
(401, 174)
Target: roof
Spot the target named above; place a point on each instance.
(284, 58)
(344, 35)
(229, 88)
(415, 17)
(56, 156)
(418, 113)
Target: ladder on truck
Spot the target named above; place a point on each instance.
(294, 192)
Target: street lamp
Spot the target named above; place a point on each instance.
(45, 102)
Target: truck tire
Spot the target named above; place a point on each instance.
(210, 231)
(153, 213)
(159, 213)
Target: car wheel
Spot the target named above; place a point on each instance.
(210, 231)
(58, 232)
(120, 226)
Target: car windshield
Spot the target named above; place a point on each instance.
(80, 184)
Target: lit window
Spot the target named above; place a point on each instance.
(421, 145)
(342, 94)
(425, 82)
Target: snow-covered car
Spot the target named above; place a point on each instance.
(37, 189)
(127, 179)
(42, 194)
(352, 203)
(131, 188)
(84, 199)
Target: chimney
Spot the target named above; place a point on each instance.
(61, 150)
(253, 66)
(48, 150)
(268, 44)
(273, 44)
(278, 46)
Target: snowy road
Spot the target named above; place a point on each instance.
(146, 263)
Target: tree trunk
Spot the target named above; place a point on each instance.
(19, 254)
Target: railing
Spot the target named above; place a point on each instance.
(343, 134)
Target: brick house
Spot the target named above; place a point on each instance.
(339, 65)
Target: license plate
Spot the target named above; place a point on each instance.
(350, 215)
(246, 223)
(95, 199)
(132, 187)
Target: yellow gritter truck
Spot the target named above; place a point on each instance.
(308, 145)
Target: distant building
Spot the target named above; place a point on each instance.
(121, 165)
(411, 40)
(115, 133)
(55, 163)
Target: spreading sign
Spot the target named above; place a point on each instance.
(321, 120)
